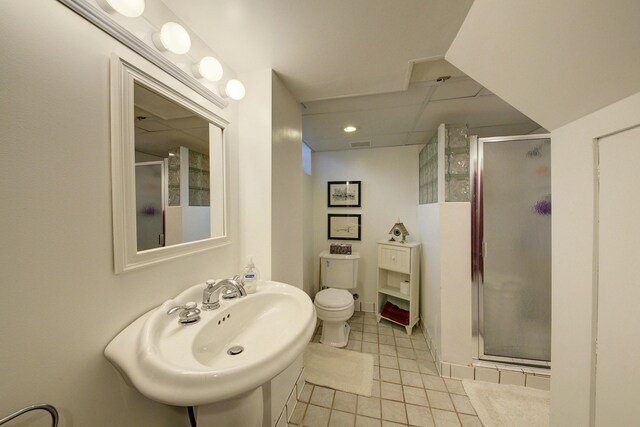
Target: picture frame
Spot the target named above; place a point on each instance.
(344, 226)
(344, 194)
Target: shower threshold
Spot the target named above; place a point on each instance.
(511, 361)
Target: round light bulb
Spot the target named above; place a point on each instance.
(234, 89)
(172, 37)
(350, 129)
(208, 68)
(128, 8)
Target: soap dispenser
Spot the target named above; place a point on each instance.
(250, 277)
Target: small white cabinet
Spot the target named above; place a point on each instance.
(399, 262)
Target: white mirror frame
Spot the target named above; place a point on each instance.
(123, 75)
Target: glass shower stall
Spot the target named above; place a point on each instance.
(511, 248)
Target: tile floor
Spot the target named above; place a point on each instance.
(407, 390)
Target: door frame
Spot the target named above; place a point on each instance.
(477, 253)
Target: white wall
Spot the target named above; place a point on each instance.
(445, 231)
(430, 311)
(573, 303)
(389, 190)
(286, 185)
(61, 301)
(255, 171)
(309, 257)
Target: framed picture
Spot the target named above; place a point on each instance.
(344, 194)
(343, 227)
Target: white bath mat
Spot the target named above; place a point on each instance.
(500, 405)
(343, 370)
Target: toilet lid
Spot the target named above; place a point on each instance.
(334, 298)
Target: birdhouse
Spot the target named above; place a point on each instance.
(398, 232)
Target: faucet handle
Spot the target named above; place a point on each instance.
(189, 313)
(210, 283)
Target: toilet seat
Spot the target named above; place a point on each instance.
(333, 299)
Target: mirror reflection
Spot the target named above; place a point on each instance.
(173, 172)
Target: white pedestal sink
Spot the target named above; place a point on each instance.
(190, 365)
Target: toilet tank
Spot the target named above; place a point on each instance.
(339, 271)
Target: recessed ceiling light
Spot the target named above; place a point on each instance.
(350, 129)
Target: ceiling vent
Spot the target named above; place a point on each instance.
(361, 144)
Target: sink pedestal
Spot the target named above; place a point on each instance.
(245, 410)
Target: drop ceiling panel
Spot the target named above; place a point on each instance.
(369, 123)
(456, 89)
(431, 70)
(421, 137)
(480, 111)
(413, 96)
(504, 130)
(159, 143)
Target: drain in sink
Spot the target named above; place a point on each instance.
(236, 349)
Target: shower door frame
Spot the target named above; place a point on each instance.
(478, 250)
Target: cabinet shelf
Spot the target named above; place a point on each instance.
(394, 293)
(398, 262)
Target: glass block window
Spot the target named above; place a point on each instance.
(428, 172)
(198, 179)
(174, 176)
(456, 163)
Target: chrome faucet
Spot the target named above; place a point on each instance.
(211, 294)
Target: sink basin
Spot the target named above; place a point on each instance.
(190, 365)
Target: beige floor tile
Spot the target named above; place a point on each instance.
(345, 402)
(391, 391)
(386, 339)
(371, 321)
(369, 406)
(376, 359)
(322, 396)
(403, 342)
(427, 367)
(388, 361)
(372, 329)
(469, 420)
(367, 422)
(415, 396)
(386, 423)
(399, 331)
(358, 327)
(394, 411)
(388, 350)
(375, 388)
(298, 413)
(407, 353)
(316, 416)
(454, 386)
(306, 393)
(433, 382)
(385, 330)
(411, 378)
(341, 419)
(369, 347)
(369, 337)
(423, 355)
(355, 335)
(419, 345)
(390, 375)
(354, 345)
(376, 373)
(462, 404)
(445, 418)
(408, 365)
(419, 416)
(439, 400)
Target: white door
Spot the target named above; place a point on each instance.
(618, 333)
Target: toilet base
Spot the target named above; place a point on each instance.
(335, 334)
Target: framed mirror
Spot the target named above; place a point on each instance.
(168, 168)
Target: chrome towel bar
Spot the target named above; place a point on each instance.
(44, 406)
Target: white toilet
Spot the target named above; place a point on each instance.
(334, 303)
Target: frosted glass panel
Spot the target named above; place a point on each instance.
(149, 206)
(516, 292)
